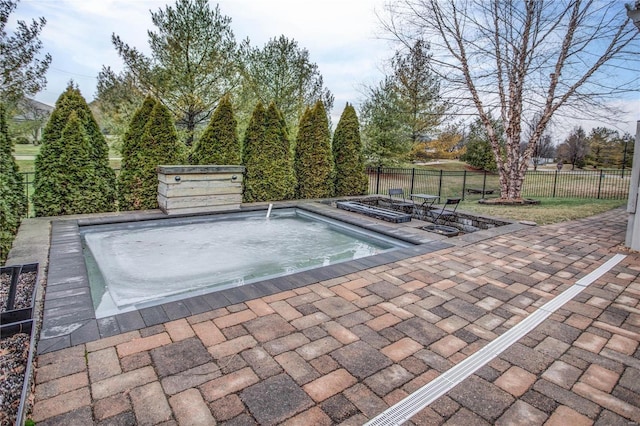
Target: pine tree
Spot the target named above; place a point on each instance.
(12, 199)
(351, 178)
(267, 157)
(127, 185)
(47, 163)
(158, 145)
(313, 157)
(219, 144)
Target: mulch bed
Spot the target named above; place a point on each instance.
(14, 349)
(24, 291)
(509, 202)
(14, 353)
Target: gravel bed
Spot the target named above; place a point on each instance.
(24, 291)
(14, 354)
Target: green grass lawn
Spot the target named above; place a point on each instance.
(27, 165)
(26, 149)
(550, 210)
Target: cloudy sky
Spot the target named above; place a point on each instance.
(341, 36)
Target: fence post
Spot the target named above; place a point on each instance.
(484, 182)
(378, 180)
(600, 182)
(555, 184)
(440, 185)
(413, 176)
(464, 183)
(26, 184)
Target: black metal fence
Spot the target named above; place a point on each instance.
(599, 184)
(27, 182)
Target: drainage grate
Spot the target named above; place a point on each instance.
(405, 409)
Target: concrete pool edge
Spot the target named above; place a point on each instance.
(68, 316)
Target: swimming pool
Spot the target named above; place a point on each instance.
(136, 265)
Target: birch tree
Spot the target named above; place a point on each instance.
(519, 58)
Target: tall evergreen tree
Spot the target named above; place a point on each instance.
(313, 158)
(267, 157)
(219, 144)
(12, 199)
(77, 195)
(127, 184)
(351, 178)
(47, 162)
(159, 145)
(478, 152)
(418, 90)
(282, 72)
(192, 62)
(10, 166)
(385, 134)
(251, 158)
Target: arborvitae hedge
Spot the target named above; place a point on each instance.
(252, 143)
(267, 157)
(158, 145)
(351, 178)
(49, 169)
(313, 158)
(219, 144)
(128, 184)
(12, 198)
(78, 169)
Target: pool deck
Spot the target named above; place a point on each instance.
(342, 350)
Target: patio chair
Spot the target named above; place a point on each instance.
(443, 213)
(397, 200)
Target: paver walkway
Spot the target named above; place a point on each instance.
(344, 350)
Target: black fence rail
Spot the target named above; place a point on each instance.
(27, 183)
(600, 184)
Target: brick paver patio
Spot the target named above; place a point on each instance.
(342, 351)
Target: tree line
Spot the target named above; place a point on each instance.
(72, 173)
(22, 73)
(602, 147)
(195, 60)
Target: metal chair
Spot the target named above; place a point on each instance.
(444, 214)
(397, 200)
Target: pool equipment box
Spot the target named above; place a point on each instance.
(195, 189)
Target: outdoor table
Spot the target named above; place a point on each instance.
(427, 202)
